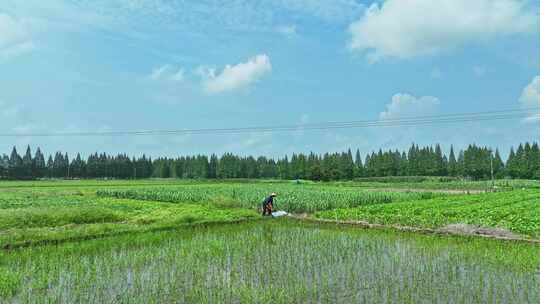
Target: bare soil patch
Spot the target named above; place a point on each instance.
(447, 191)
(467, 229)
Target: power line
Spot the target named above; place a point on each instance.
(396, 122)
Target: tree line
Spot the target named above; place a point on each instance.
(474, 162)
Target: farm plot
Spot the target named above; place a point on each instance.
(72, 210)
(292, 198)
(27, 218)
(272, 262)
(440, 184)
(517, 211)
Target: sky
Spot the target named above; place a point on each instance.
(124, 65)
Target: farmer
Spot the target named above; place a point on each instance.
(268, 204)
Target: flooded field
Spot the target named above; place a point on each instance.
(278, 261)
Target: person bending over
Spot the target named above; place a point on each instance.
(268, 204)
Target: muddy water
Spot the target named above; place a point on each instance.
(276, 261)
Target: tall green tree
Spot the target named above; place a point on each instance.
(359, 166)
(213, 166)
(39, 166)
(50, 167)
(452, 163)
(15, 165)
(4, 166)
(27, 164)
(498, 165)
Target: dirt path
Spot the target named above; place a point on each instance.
(447, 191)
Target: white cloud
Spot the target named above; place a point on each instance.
(409, 28)
(157, 72)
(205, 72)
(530, 98)
(235, 76)
(405, 105)
(178, 76)
(167, 72)
(14, 37)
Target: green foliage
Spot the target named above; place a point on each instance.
(10, 282)
(292, 198)
(474, 162)
(407, 179)
(180, 260)
(272, 262)
(416, 183)
(517, 211)
(29, 216)
(57, 216)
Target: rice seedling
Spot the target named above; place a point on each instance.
(272, 262)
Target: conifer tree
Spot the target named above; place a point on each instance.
(359, 167)
(535, 160)
(498, 165)
(15, 165)
(39, 166)
(404, 165)
(77, 167)
(452, 163)
(50, 167)
(27, 164)
(213, 166)
(439, 162)
(4, 166)
(65, 166)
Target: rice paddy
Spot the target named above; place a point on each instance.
(273, 262)
(188, 242)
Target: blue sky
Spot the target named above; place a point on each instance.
(81, 65)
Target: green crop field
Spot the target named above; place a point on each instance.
(432, 183)
(32, 212)
(204, 242)
(292, 197)
(30, 216)
(517, 211)
(272, 262)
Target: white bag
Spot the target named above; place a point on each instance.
(279, 213)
